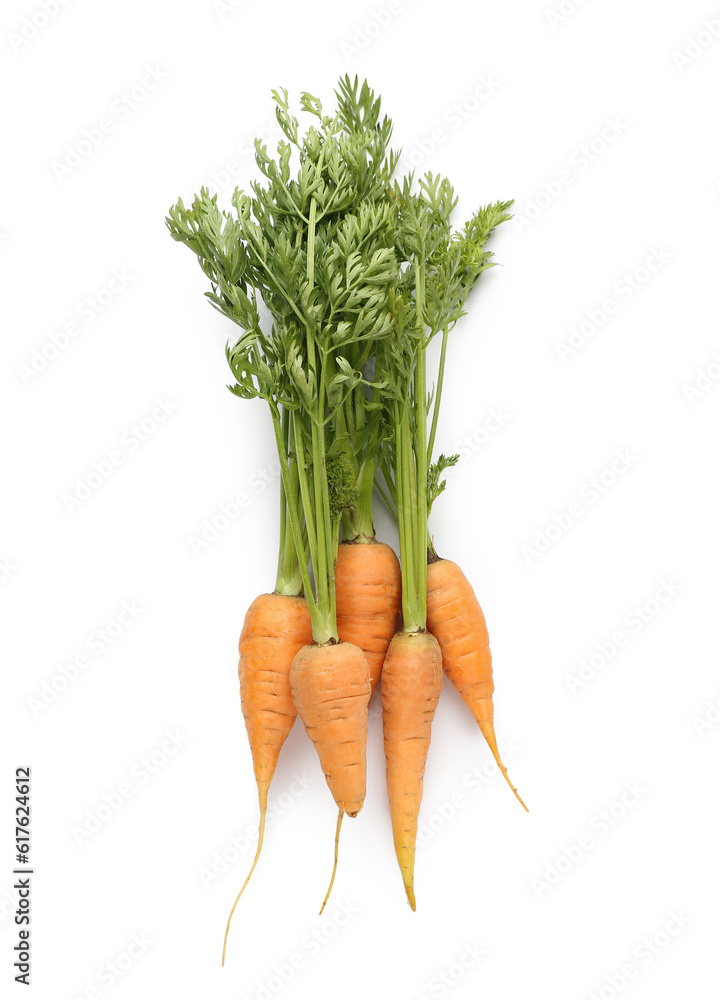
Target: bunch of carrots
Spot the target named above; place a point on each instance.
(339, 275)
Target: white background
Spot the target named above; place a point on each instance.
(645, 716)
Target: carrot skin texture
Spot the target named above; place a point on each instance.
(455, 618)
(275, 628)
(331, 690)
(368, 593)
(410, 686)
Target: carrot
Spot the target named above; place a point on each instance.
(411, 686)
(367, 588)
(412, 672)
(441, 268)
(276, 626)
(456, 620)
(331, 690)
(358, 274)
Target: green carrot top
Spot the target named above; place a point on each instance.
(316, 251)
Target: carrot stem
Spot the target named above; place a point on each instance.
(289, 577)
(292, 510)
(409, 483)
(438, 395)
(359, 520)
(301, 462)
(421, 449)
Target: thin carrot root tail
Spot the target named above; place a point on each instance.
(263, 795)
(454, 615)
(488, 731)
(405, 854)
(337, 843)
(408, 876)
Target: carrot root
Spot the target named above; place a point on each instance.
(411, 685)
(332, 877)
(456, 620)
(275, 627)
(368, 592)
(331, 690)
(261, 833)
(488, 731)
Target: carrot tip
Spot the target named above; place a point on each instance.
(261, 834)
(488, 731)
(332, 878)
(515, 791)
(410, 893)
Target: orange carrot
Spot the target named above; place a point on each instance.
(456, 620)
(367, 589)
(411, 686)
(331, 690)
(276, 626)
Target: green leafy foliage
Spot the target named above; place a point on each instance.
(338, 276)
(436, 485)
(342, 490)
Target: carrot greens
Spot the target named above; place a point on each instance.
(317, 252)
